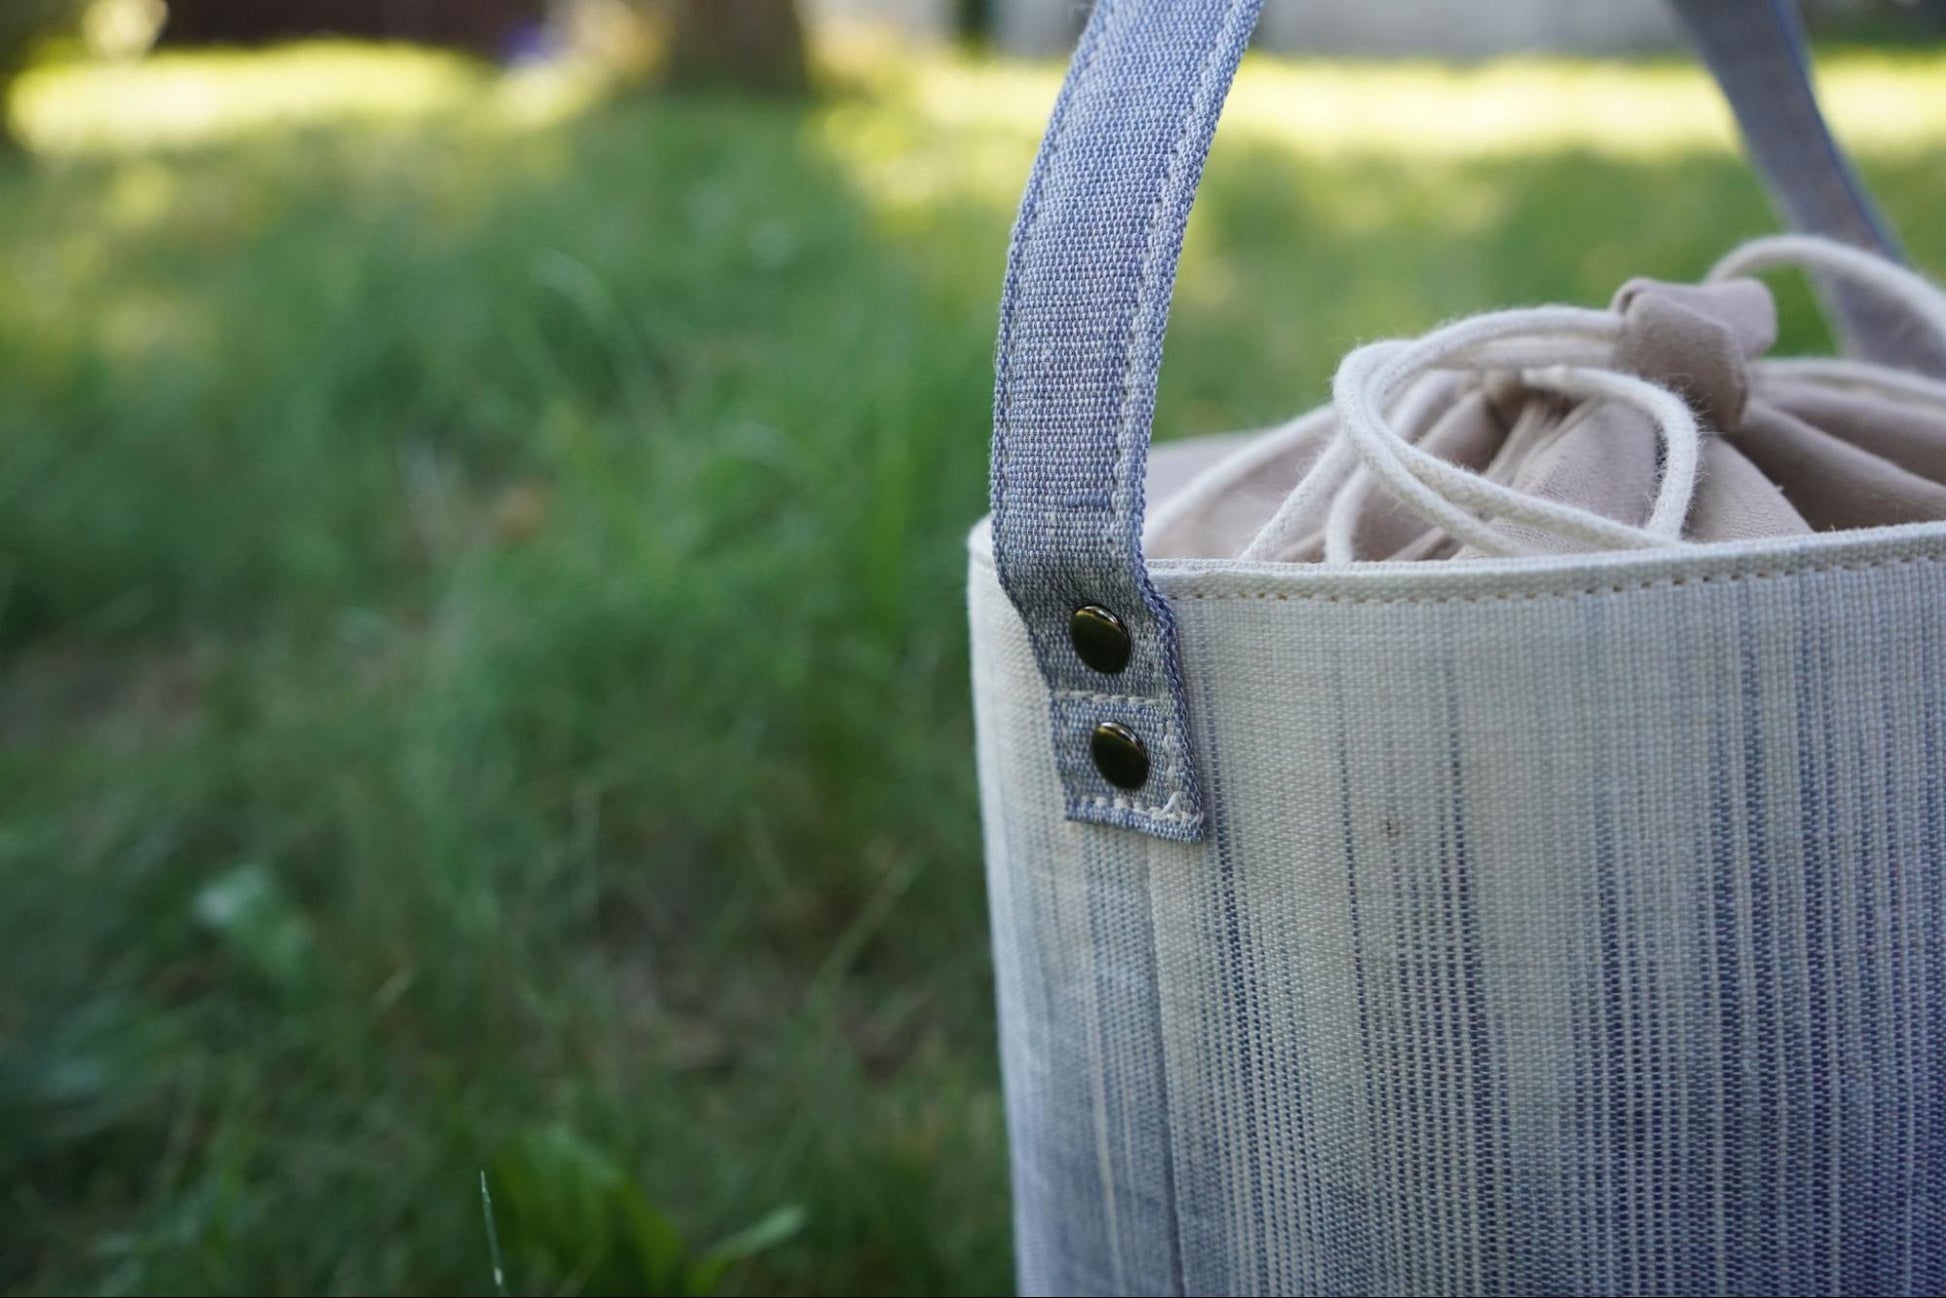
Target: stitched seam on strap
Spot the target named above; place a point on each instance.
(1124, 700)
(1148, 809)
(1017, 258)
(1172, 751)
(1155, 270)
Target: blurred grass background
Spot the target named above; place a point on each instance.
(482, 683)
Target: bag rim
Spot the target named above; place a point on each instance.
(1537, 576)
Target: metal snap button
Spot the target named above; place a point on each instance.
(1120, 755)
(1099, 639)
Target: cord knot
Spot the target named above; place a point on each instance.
(1697, 340)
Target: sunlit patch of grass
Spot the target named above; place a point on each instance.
(1512, 107)
(1425, 170)
(175, 99)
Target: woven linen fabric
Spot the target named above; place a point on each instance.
(1564, 926)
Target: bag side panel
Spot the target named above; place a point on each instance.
(1579, 942)
(1550, 939)
(1074, 958)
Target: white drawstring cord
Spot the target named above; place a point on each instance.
(1568, 333)
(1341, 524)
(1230, 471)
(1564, 349)
(1326, 477)
(1681, 464)
(1682, 436)
(1553, 347)
(1419, 410)
(1456, 499)
(1913, 291)
(1811, 252)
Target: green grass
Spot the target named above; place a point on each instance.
(482, 682)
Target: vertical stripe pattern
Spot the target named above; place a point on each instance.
(1562, 928)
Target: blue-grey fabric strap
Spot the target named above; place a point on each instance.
(1756, 49)
(1089, 279)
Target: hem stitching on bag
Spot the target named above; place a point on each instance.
(1578, 592)
(1514, 597)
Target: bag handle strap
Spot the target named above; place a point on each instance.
(1757, 52)
(1089, 280)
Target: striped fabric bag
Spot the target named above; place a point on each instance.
(1486, 836)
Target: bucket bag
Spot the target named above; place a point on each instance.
(1485, 836)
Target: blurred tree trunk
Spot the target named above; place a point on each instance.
(749, 45)
(22, 24)
(485, 27)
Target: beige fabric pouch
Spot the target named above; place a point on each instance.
(1783, 448)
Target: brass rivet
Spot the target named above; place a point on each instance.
(1099, 638)
(1120, 755)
